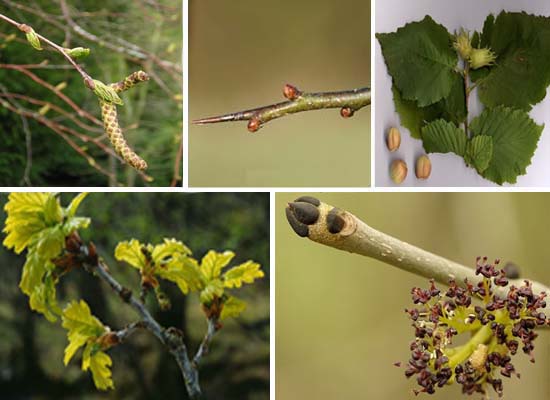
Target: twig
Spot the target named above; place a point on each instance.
(348, 101)
(172, 338)
(342, 230)
(205, 344)
(177, 165)
(123, 334)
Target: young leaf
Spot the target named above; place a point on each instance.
(443, 137)
(213, 263)
(98, 362)
(479, 152)
(421, 60)
(232, 307)
(25, 218)
(184, 271)
(43, 299)
(168, 249)
(70, 210)
(515, 136)
(81, 326)
(522, 73)
(244, 273)
(214, 288)
(131, 253)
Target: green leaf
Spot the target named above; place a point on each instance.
(443, 137)
(213, 263)
(25, 218)
(522, 73)
(515, 136)
(413, 117)
(184, 271)
(81, 326)
(244, 273)
(479, 152)
(98, 362)
(232, 307)
(214, 288)
(131, 253)
(53, 213)
(169, 248)
(70, 211)
(49, 242)
(43, 299)
(74, 224)
(420, 58)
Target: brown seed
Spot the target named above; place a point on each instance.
(423, 167)
(398, 171)
(393, 140)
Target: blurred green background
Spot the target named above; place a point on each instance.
(241, 53)
(339, 317)
(152, 111)
(31, 349)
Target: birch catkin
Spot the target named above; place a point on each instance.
(112, 126)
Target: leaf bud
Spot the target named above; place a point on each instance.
(106, 93)
(78, 52)
(32, 37)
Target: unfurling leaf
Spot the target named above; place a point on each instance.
(33, 39)
(98, 362)
(131, 253)
(213, 263)
(232, 307)
(78, 52)
(244, 273)
(106, 93)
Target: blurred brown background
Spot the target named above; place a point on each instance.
(241, 53)
(340, 323)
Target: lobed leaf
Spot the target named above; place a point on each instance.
(98, 362)
(213, 263)
(232, 307)
(131, 253)
(244, 273)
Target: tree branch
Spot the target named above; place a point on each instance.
(342, 230)
(348, 101)
(205, 344)
(171, 338)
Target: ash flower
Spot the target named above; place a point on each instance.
(497, 329)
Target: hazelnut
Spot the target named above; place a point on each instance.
(398, 171)
(394, 139)
(423, 167)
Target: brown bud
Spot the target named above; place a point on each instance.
(393, 140)
(398, 171)
(254, 125)
(291, 92)
(108, 339)
(346, 112)
(423, 167)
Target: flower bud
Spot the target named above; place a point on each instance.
(481, 58)
(393, 140)
(462, 44)
(398, 171)
(423, 167)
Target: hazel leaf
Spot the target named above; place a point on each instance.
(420, 58)
(522, 73)
(443, 137)
(515, 136)
(479, 152)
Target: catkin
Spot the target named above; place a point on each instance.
(112, 127)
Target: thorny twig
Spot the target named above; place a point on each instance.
(349, 101)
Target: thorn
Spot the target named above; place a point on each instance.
(300, 229)
(291, 92)
(309, 199)
(305, 213)
(335, 221)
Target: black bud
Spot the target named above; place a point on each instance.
(300, 229)
(511, 270)
(335, 221)
(308, 199)
(304, 212)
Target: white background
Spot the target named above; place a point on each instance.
(447, 169)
